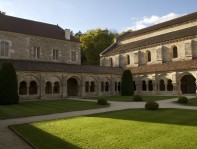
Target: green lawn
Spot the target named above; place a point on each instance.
(130, 98)
(126, 129)
(32, 108)
(192, 102)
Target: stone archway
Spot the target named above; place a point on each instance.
(72, 87)
(188, 84)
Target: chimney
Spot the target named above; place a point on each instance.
(67, 34)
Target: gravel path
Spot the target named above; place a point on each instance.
(9, 140)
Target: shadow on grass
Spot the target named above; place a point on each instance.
(163, 116)
(39, 139)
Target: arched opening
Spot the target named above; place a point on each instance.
(72, 87)
(87, 86)
(23, 88)
(111, 62)
(150, 85)
(148, 55)
(56, 88)
(92, 87)
(143, 85)
(48, 88)
(33, 88)
(188, 85)
(162, 85)
(127, 59)
(106, 86)
(119, 86)
(134, 86)
(174, 52)
(169, 85)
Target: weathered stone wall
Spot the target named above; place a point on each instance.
(21, 47)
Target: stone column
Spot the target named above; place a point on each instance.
(82, 86)
(42, 86)
(64, 86)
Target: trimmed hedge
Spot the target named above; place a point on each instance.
(8, 85)
(151, 105)
(137, 98)
(102, 101)
(183, 100)
(127, 84)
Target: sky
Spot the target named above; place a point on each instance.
(84, 15)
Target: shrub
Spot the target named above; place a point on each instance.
(102, 101)
(8, 85)
(151, 105)
(137, 98)
(127, 84)
(183, 100)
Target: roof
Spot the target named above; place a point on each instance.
(153, 40)
(169, 23)
(25, 65)
(29, 27)
(165, 67)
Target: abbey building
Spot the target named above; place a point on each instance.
(162, 58)
(47, 60)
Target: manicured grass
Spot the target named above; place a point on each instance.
(130, 98)
(126, 129)
(33, 108)
(192, 102)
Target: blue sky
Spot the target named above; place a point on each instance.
(83, 15)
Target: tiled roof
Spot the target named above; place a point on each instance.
(153, 40)
(24, 65)
(29, 27)
(165, 67)
(169, 23)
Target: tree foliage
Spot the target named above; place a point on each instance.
(127, 84)
(93, 43)
(8, 85)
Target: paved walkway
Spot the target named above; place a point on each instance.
(9, 140)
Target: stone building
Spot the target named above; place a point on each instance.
(162, 57)
(47, 60)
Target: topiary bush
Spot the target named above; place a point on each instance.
(127, 88)
(102, 101)
(151, 105)
(183, 100)
(8, 85)
(137, 98)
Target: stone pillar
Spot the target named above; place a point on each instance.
(42, 86)
(82, 86)
(99, 93)
(64, 86)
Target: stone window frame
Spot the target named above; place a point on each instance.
(56, 54)
(36, 52)
(73, 56)
(174, 50)
(4, 49)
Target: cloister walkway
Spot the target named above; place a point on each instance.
(9, 140)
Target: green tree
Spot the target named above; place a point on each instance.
(8, 85)
(93, 43)
(127, 84)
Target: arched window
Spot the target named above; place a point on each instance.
(102, 86)
(56, 88)
(150, 85)
(33, 88)
(111, 62)
(174, 52)
(87, 86)
(92, 87)
(162, 85)
(48, 88)
(134, 86)
(106, 86)
(127, 59)
(23, 88)
(4, 47)
(169, 85)
(143, 85)
(148, 54)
